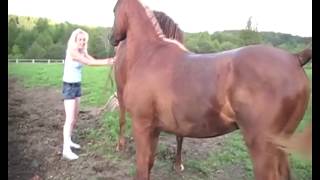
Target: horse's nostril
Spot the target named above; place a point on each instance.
(111, 40)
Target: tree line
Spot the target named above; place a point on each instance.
(30, 37)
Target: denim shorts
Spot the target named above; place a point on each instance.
(71, 90)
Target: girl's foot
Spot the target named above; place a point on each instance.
(68, 154)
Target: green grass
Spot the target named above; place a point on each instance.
(308, 72)
(96, 87)
(34, 75)
(96, 90)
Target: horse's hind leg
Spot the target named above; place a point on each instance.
(146, 140)
(269, 162)
(122, 123)
(178, 166)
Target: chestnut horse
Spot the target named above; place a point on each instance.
(256, 89)
(171, 30)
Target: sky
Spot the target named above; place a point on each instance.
(285, 16)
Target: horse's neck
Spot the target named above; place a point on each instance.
(142, 28)
(142, 33)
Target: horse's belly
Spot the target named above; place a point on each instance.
(208, 124)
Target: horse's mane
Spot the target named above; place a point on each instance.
(169, 28)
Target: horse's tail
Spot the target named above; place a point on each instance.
(300, 143)
(304, 56)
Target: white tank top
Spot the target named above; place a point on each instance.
(72, 70)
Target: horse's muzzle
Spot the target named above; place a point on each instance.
(113, 41)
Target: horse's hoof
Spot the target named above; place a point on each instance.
(178, 168)
(120, 147)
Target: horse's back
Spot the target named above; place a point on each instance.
(268, 66)
(266, 53)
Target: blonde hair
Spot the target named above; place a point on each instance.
(72, 40)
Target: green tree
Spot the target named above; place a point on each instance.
(249, 27)
(97, 45)
(215, 44)
(250, 35)
(56, 51)
(13, 32)
(27, 36)
(36, 51)
(226, 45)
(44, 40)
(191, 41)
(24, 39)
(42, 25)
(230, 36)
(16, 52)
(204, 43)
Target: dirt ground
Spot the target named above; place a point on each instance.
(35, 123)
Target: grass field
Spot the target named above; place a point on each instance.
(95, 85)
(97, 89)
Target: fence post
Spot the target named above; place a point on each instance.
(32, 61)
(48, 61)
(62, 61)
(17, 61)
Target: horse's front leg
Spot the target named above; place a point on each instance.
(146, 139)
(122, 123)
(178, 166)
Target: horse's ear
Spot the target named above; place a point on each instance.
(116, 5)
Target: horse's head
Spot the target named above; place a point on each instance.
(120, 25)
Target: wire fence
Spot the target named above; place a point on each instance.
(48, 61)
